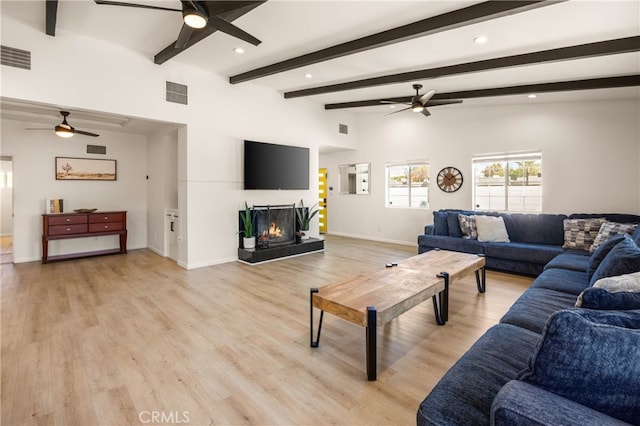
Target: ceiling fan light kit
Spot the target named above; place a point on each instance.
(64, 132)
(195, 16)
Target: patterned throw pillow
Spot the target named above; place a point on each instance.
(468, 226)
(580, 233)
(609, 229)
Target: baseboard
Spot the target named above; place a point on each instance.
(157, 251)
(380, 240)
(207, 263)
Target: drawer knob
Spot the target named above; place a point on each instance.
(68, 220)
(106, 227)
(106, 217)
(68, 229)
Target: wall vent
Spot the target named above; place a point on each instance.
(176, 93)
(343, 128)
(96, 149)
(13, 57)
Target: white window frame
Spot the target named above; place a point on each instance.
(411, 204)
(530, 181)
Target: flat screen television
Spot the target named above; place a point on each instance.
(271, 166)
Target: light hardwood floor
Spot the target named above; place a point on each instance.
(118, 339)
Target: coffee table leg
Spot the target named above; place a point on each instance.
(314, 344)
(444, 297)
(437, 308)
(481, 281)
(372, 368)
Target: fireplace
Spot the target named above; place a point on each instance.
(275, 225)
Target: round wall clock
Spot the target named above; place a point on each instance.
(449, 179)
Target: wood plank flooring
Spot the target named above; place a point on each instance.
(117, 340)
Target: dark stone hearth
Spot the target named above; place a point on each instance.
(258, 255)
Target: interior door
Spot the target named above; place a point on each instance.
(322, 199)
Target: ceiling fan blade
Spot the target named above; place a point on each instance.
(141, 6)
(383, 101)
(439, 102)
(36, 128)
(184, 36)
(400, 110)
(425, 112)
(220, 24)
(424, 98)
(82, 132)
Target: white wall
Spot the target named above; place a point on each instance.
(6, 198)
(34, 155)
(162, 185)
(107, 78)
(590, 159)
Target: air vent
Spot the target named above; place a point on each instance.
(176, 93)
(343, 128)
(13, 57)
(96, 149)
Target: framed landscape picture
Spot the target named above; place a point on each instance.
(69, 168)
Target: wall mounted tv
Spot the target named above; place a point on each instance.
(271, 166)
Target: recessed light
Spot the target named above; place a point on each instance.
(532, 96)
(239, 50)
(307, 75)
(481, 39)
(392, 106)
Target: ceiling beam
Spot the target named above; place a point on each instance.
(601, 48)
(560, 86)
(458, 18)
(227, 10)
(51, 10)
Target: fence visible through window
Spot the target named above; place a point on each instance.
(407, 185)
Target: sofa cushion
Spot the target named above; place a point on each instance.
(599, 298)
(609, 229)
(454, 224)
(534, 307)
(591, 357)
(468, 226)
(491, 228)
(519, 403)
(610, 217)
(448, 243)
(574, 260)
(624, 258)
(636, 235)
(535, 228)
(562, 280)
(463, 397)
(533, 253)
(580, 233)
(596, 258)
(440, 225)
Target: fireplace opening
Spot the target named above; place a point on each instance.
(275, 225)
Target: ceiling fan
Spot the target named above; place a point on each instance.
(419, 103)
(65, 130)
(195, 15)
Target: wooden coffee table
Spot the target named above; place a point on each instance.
(373, 299)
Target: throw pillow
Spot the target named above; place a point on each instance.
(590, 357)
(624, 258)
(602, 252)
(626, 282)
(636, 235)
(491, 228)
(468, 226)
(609, 229)
(580, 233)
(599, 298)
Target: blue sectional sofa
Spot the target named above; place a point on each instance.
(548, 362)
(535, 239)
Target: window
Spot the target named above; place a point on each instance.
(510, 182)
(407, 185)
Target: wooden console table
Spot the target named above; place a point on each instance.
(62, 226)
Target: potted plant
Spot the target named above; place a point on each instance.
(304, 216)
(249, 240)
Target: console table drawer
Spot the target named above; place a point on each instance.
(106, 217)
(67, 219)
(105, 226)
(68, 229)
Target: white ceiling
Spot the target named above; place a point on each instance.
(292, 28)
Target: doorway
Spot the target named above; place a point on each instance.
(6, 214)
(322, 200)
